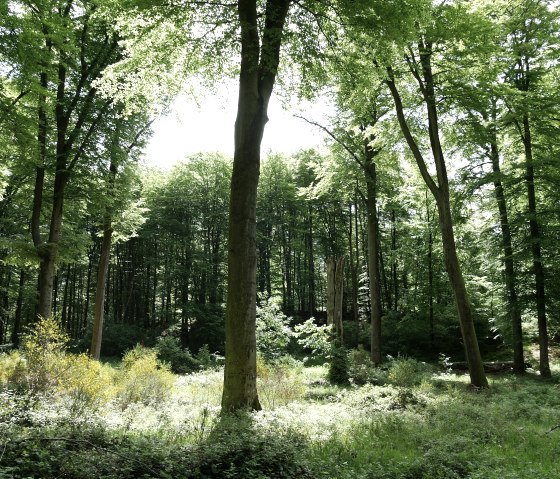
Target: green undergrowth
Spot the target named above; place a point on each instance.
(436, 430)
(407, 420)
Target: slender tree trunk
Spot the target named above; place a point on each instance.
(5, 303)
(510, 280)
(440, 191)
(430, 274)
(394, 265)
(335, 288)
(18, 313)
(311, 266)
(373, 256)
(339, 300)
(353, 265)
(535, 234)
(258, 70)
(103, 268)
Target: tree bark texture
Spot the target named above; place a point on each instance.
(259, 63)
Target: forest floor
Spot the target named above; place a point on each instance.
(427, 426)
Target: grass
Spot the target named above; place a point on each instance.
(435, 429)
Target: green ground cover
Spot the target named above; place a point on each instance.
(139, 424)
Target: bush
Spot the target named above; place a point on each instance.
(144, 379)
(407, 372)
(279, 382)
(13, 369)
(44, 348)
(236, 450)
(339, 366)
(273, 331)
(204, 357)
(180, 360)
(362, 371)
(87, 384)
(314, 339)
(117, 339)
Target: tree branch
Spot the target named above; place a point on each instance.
(390, 82)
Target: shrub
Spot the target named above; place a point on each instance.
(144, 379)
(204, 357)
(273, 331)
(44, 347)
(407, 372)
(339, 366)
(180, 360)
(315, 339)
(280, 382)
(13, 369)
(362, 371)
(238, 451)
(86, 384)
(117, 338)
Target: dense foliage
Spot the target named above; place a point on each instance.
(436, 197)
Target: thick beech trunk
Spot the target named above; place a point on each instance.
(422, 71)
(259, 63)
(48, 251)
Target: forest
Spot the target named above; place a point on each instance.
(386, 305)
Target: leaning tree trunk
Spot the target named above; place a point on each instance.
(259, 63)
(440, 190)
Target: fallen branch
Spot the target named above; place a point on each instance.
(553, 429)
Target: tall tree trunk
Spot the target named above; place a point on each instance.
(259, 63)
(440, 191)
(373, 255)
(18, 313)
(430, 274)
(510, 280)
(311, 265)
(103, 268)
(394, 265)
(335, 288)
(339, 300)
(353, 265)
(538, 268)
